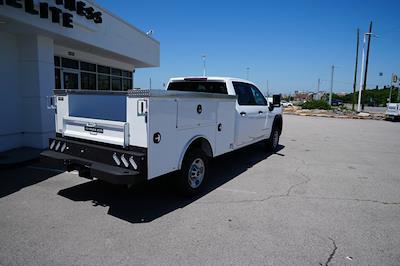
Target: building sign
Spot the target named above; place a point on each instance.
(57, 15)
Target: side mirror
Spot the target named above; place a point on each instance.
(276, 100)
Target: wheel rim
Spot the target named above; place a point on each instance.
(196, 173)
(275, 140)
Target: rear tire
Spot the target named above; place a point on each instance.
(194, 172)
(273, 142)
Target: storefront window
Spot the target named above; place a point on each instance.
(71, 81)
(116, 84)
(88, 66)
(103, 82)
(88, 81)
(116, 72)
(103, 69)
(70, 63)
(126, 84)
(74, 74)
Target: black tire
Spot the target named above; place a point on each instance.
(195, 164)
(273, 142)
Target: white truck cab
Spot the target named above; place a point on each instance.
(137, 135)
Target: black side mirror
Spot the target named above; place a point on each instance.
(276, 100)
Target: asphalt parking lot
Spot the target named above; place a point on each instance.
(331, 195)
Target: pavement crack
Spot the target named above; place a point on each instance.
(300, 197)
(332, 254)
(305, 181)
(351, 199)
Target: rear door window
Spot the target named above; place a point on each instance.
(199, 86)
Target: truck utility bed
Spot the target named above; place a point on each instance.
(153, 120)
(128, 137)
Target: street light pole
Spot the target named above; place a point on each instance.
(204, 65)
(355, 71)
(362, 77)
(330, 95)
(367, 59)
(363, 80)
(391, 89)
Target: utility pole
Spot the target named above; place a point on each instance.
(267, 88)
(391, 88)
(330, 95)
(367, 59)
(150, 83)
(318, 85)
(247, 72)
(355, 71)
(204, 57)
(398, 94)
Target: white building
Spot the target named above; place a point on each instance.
(60, 44)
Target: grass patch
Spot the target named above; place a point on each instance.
(316, 105)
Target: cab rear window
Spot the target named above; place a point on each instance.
(199, 86)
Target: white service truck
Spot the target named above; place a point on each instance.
(137, 135)
(393, 111)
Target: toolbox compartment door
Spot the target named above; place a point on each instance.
(105, 131)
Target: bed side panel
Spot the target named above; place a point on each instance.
(136, 119)
(162, 152)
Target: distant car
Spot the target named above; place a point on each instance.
(286, 104)
(336, 102)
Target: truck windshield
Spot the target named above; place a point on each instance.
(198, 86)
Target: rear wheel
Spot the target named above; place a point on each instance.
(194, 172)
(273, 141)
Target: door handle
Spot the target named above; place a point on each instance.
(243, 113)
(260, 112)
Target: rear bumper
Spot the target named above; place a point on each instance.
(391, 114)
(96, 162)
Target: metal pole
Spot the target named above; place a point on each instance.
(267, 88)
(398, 94)
(330, 95)
(204, 65)
(367, 59)
(391, 89)
(319, 84)
(247, 72)
(355, 71)
(362, 77)
(150, 83)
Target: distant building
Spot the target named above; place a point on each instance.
(319, 95)
(301, 96)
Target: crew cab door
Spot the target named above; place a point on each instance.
(251, 114)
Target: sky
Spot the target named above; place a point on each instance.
(287, 45)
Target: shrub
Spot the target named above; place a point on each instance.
(316, 105)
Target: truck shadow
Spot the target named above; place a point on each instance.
(147, 202)
(20, 176)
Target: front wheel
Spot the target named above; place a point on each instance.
(194, 172)
(273, 142)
